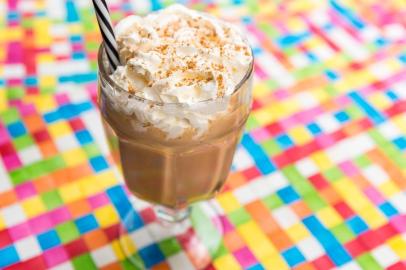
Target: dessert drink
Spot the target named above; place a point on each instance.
(175, 109)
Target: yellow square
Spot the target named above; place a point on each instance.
(45, 103)
(400, 122)
(226, 262)
(228, 202)
(256, 240)
(59, 129)
(33, 206)
(89, 185)
(289, 107)
(45, 58)
(70, 192)
(106, 216)
(264, 115)
(107, 179)
(321, 160)
(41, 32)
(297, 232)
(75, 28)
(47, 81)
(398, 245)
(329, 217)
(3, 99)
(388, 188)
(115, 245)
(14, 33)
(274, 262)
(372, 217)
(74, 157)
(128, 243)
(320, 94)
(260, 90)
(300, 135)
(379, 101)
(2, 224)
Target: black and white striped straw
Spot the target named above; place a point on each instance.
(106, 29)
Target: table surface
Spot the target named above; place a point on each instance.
(318, 183)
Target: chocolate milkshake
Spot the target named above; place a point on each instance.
(175, 110)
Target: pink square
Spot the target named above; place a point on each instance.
(260, 134)
(399, 222)
(12, 161)
(62, 99)
(25, 190)
(55, 256)
(225, 224)
(40, 223)
(348, 168)
(374, 195)
(27, 109)
(98, 200)
(245, 257)
(20, 231)
(59, 215)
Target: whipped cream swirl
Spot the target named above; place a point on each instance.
(178, 55)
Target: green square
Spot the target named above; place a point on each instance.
(84, 262)
(354, 112)
(271, 147)
(314, 201)
(251, 124)
(19, 176)
(67, 231)
(91, 150)
(269, 30)
(92, 46)
(300, 183)
(366, 261)
(47, 90)
(127, 265)
(51, 199)
(272, 201)
(26, 23)
(333, 174)
(23, 141)
(290, 51)
(239, 216)
(15, 92)
(54, 163)
(169, 246)
(362, 161)
(272, 84)
(9, 116)
(221, 251)
(342, 233)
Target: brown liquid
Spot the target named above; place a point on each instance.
(175, 172)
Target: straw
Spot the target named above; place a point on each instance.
(106, 29)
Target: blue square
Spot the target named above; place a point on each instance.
(339, 255)
(256, 267)
(293, 256)
(388, 209)
(402, 58)
(357, 225)
(52, 116)
(48, 239)
(342, 117)
(8, 256)
(31, 81)
(98, 163)
(151, 255)
(331, 75)
(314, 128)
(392, 95)
(86, 223)
(84, 137)
(288, 195)
(16, 129)
(68, 111)
(284, 141)
(400, 143)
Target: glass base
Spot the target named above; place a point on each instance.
(187, 239)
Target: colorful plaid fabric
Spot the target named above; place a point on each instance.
(318, 183)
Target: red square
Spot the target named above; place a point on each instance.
(148, 215)
(41, 136)
(318, 181)
(112, 232)
(251, 173)
(76, 124)
(76, 248)
(385, 232)
(7, 149)
(34, 263)
(274, 129)
(323, 263)
(371, 239)
(397, 266)
(355, 247)
(344, 210)
(5, 238)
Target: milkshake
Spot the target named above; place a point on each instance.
(175, 109)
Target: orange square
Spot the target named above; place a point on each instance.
(280, 239)
(48, 149)
(60, 177)
(34, 123)
(112, 266)
(7, 198)
(235, 180)
(95, 239)
(262, 216)
(305, 266)
(78, 171)
(330, 195)
(79, 208)
(161, 266)
(233, 241)
(44, 183)
(301, 209)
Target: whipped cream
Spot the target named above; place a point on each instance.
(178, 55)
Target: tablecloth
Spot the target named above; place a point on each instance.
(318, 181)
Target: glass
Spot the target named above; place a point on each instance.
(167, 176)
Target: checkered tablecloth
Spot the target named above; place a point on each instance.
(318, 182)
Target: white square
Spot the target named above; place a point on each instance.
(180, 261)
(399, 89)
(242, 160)
(63, 266)
(14, 71)
(299, 60)
(142, 237)
(389, 130)
(350, 266)
(159, 233)
(306, 100)
(395, 31)
(310, 248)
(399, 202)
(375, 174)
(13, 214)
(93, 123)
(380, 70)
(244, 194)
(369, 33)
(30, 155)
(66, 143)
(285, 217)
(319, 17)
(61, 48)
(27, 248)
(307, 167)
(103, 256)
(327, 123)
(384, 256)
(5, 182)
(323, 52)
(277, 180)
(262, 187)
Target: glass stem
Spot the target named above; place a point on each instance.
(170, 215)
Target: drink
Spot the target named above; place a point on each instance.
(168, 155)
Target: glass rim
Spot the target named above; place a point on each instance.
(106, 77)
